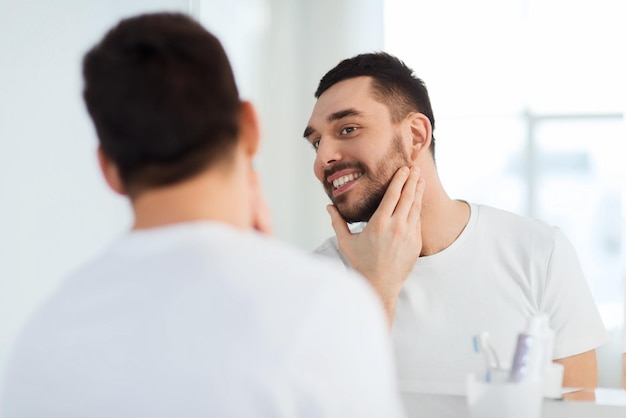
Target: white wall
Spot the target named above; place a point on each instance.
(55, 211)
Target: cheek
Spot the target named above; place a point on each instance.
(318, 170)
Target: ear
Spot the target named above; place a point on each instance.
(249, 129)
(421, 134)
(110, 172)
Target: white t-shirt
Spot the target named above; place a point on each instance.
(203, 320)
(502, 269)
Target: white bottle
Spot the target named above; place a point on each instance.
(547, 342)
(551, 372)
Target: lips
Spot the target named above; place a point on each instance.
(338, 182)
(342, 180)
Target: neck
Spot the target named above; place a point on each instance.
(218, 194)
(443, 219)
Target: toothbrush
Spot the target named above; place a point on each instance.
(481, 344)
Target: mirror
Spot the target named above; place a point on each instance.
(526, 84)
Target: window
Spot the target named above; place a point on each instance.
(528, 100)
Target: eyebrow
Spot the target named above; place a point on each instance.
(333, 117)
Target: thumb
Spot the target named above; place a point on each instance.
(339, 224)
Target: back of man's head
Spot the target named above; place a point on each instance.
(163, 99)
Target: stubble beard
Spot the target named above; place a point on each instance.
(361, 208)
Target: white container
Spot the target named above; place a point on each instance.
(504, 399)
(553, 381)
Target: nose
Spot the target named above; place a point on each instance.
(328, 152)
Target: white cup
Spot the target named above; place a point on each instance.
(504, 399)
(553, 381)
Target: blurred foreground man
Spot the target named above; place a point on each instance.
(194, 312)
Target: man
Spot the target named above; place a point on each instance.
(193, 313)
(479, 268)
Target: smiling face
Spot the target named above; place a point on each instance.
(358, 147)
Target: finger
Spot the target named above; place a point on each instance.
(416, 207)
(392, 195)
(407, 197)
(339, 224)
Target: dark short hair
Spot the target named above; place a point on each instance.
(162, 95)
(393, 84)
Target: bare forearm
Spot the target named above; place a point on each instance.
(581, 370)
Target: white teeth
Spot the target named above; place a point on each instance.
(337, 183)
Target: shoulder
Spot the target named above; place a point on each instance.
(517, 237)
(506, 223)
(316, 295)
(294, 267)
